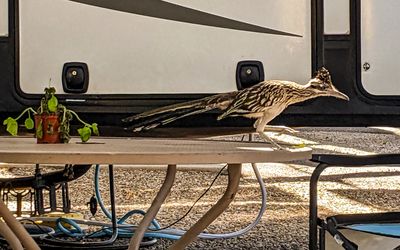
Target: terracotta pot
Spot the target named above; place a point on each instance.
(50, 125)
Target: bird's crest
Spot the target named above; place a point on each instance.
(321, 85)
(324, 75)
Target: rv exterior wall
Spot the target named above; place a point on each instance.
(3, 18)
(336, 17)
(380, 47)
(134, 54)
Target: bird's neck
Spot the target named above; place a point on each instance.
(299, 93)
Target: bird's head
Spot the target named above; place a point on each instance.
(322, 85)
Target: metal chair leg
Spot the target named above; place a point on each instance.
(313, 220)
(114, 235)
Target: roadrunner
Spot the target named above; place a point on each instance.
(263, 102)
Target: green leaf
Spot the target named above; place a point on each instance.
(95, 129)
(29, 123)
(52, 103)
(85, 133)
(39, 130)
(12, 126)
(7, 120)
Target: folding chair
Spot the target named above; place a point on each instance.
(352, 231)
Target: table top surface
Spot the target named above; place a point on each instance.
(135, 151)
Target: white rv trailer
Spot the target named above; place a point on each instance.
(113, 58)
(131, 53)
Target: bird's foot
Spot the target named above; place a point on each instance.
(265, 137)
(280, 129)
(280, 148)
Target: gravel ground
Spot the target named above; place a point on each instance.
(285, 223)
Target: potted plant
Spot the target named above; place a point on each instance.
(51, 121)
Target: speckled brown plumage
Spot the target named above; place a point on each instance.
(263, 101)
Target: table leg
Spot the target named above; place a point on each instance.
(234, 172)
(155, 206)
(17, 228)
(10, 237)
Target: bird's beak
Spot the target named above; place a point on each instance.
(336, 93)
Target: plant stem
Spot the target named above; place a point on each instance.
(79, 119)
(26, 110)
(64, 113)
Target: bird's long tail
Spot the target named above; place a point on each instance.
(164, 115)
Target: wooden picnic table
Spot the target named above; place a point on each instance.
(143, 151)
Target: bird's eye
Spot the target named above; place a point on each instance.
(316, 85)
(324, 86)
(320, 86)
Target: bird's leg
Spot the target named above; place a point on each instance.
(255, 125)
(260, 126)
(264, 136)
(280, 129)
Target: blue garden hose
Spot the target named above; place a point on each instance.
(76, 232)
(175, 234)
(171, 234)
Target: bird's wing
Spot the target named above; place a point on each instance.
(220, 101)
(236, 106)
(250, 100)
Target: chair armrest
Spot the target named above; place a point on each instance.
(356, 160)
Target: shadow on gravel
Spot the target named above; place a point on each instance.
(330, 177)
(381, 199)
